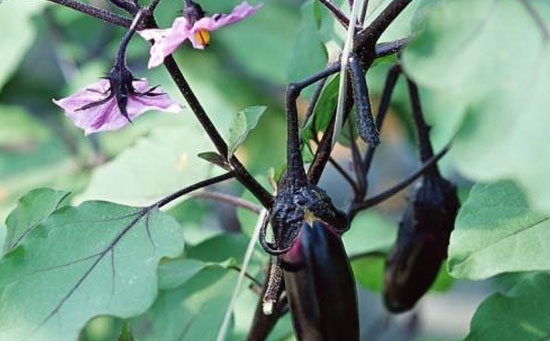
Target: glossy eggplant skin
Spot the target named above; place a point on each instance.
(422, 241)
(320, 286)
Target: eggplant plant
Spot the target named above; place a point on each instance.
(128, 256)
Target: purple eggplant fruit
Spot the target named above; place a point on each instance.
(422, 241)
(320, 286)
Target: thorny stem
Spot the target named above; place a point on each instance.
(375, 200)
(422, 128)
(95, 12)
(338, 14)
(121, 55)
(385, 49)
(391, 80)
(370, 34)
(365, 122)
(125, 5)
(364, 12)
(295, 169)
(361, 187)
(176, 195)
(342, 172)
(240, 172)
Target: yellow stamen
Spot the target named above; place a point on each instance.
(203, 37)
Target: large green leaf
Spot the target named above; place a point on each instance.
(196, 289)
(497, 232)
(308, 55)
(522, 314)
(194, 310)
(98, 258)
(370, 232)
(32, 209)
(157, 165)
(17, 33)
(489, 63)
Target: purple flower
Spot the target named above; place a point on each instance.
(193, 26)
(110, 104)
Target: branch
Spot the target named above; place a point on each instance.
(385, 49)
(338, 14)
(123, 4)
(370, 35)
(228, 199)
(95, 12)
(363, 111)
(375, 200)
(391, 80)
(422, 128)
(240, 172)
(176, 195)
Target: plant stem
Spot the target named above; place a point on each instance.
(176, 195)
(385, 49)
(338, 14)
(391, 80)
(370, 35)
(228, 199)
(365, 122)
(95, 12)
(123, 4)
(422, 128)
(375, 200)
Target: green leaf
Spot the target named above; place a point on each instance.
(254, 43)
(522, 314)
(370, 232)
(308, 55)
(98, 258)
(324, 109)
(32, 209)
(155, 166)
(215, 159)
(406, 23)
(496, 231)
(176, 272)
(17, 34)
(369, 272)
(243, 123)
(194, 310)
(502, 118)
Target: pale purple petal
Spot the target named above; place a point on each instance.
(107, 116)
(240, 12)
(139, 104)
(166, 41)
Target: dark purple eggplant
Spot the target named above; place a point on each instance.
(320, 286)
(422, 241)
